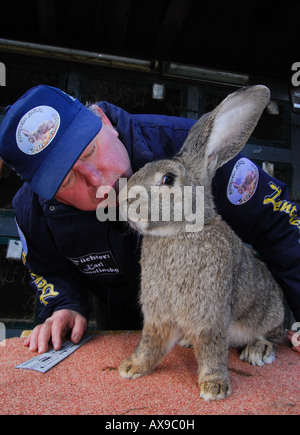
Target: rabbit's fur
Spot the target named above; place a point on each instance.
(206, 286)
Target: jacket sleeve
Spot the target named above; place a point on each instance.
(57, 283)
(267, 220)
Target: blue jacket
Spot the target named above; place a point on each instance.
(69, 251)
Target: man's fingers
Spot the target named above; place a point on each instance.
(44, 337)
(27, 341)
(80, 325)
(55, 328)
(60, 326)
(32, 340)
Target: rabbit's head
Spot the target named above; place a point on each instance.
(29, 135)
(152, 201)
(164, 196)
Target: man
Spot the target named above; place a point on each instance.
(65, 152)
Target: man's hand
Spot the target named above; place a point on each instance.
(56, 327)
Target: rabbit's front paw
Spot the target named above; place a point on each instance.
(214, 390)
(131, 369)
(259, 353)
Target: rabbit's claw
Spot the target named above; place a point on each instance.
(259, 353)
(130, 369)
(214, 390)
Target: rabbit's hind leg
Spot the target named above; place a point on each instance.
(259, 353)
(155, 343)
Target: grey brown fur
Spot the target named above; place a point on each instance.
(206, 286)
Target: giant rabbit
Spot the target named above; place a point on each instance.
(203, 285)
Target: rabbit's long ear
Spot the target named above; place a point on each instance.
(220, 135)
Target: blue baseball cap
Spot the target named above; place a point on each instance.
(42, 136)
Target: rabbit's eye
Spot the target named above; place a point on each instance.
(168, 180)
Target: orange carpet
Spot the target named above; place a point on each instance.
(87, 382)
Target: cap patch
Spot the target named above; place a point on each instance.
(37, 129)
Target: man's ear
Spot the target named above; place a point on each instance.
(99, 112)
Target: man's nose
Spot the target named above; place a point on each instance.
(89, 172)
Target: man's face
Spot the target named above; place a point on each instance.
(102, 163)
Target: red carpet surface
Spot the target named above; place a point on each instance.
(87, 382)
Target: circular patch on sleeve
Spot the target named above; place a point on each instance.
(243, 182)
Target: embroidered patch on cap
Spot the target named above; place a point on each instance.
(243, 182)
(37, 129)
